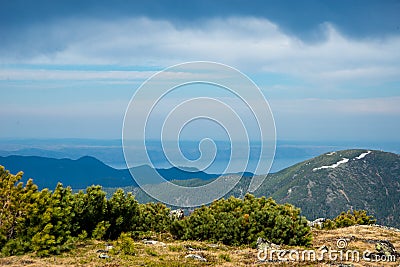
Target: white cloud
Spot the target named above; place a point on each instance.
(43, 74)
(247, 43)
(10, 74)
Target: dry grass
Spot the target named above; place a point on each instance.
(174, 252)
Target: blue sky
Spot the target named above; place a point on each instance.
(329, 69)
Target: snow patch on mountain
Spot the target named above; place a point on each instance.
(344, 160)
(363, 155)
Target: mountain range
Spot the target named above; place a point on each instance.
(322, 186)
(80, 173)
(86, 171)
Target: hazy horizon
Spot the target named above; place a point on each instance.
(109, 151)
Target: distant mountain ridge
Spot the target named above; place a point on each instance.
(80, 173)
(86, 171)
(111, 153)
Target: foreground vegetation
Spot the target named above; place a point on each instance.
(173, 252)
(51, 222)
(77, 228)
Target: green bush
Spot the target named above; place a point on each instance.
(32, 220)
(349, 218)
(89, 209)
(153, 217)
(101, 229)
(122, 213)
(125, 244)
(329, 225)
(234, 222)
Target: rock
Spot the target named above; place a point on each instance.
(177, 214)
(103, 252)
(149, 242)
(106, 249)
(385, 247)
(196, 257)
(104, 256)
(153, 242)
(263, 244)
(324, 248)
(190, 248)
(317, 223)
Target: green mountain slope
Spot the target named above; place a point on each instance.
(327, 185)
(334, 182)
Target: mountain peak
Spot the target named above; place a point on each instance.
(339, 181)
(89, 159)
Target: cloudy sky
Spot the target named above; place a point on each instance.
(329, 69)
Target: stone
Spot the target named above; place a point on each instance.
(263, 244)
(385, 247)
(196, 257)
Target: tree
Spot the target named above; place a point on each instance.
(122, 213)
(53, 222)
(41, 221)
(153, 217)
(16, 202)
(234, 222)
(89, 209)
(349, 218)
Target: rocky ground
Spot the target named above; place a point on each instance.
(330, 248)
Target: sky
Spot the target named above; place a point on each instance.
(330, 70)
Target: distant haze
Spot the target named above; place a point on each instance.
(110, 151)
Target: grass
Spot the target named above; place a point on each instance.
(225, 257)
(151, 252)
(174, 252)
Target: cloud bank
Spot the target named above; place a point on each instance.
(250, 44)
(331, 87)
